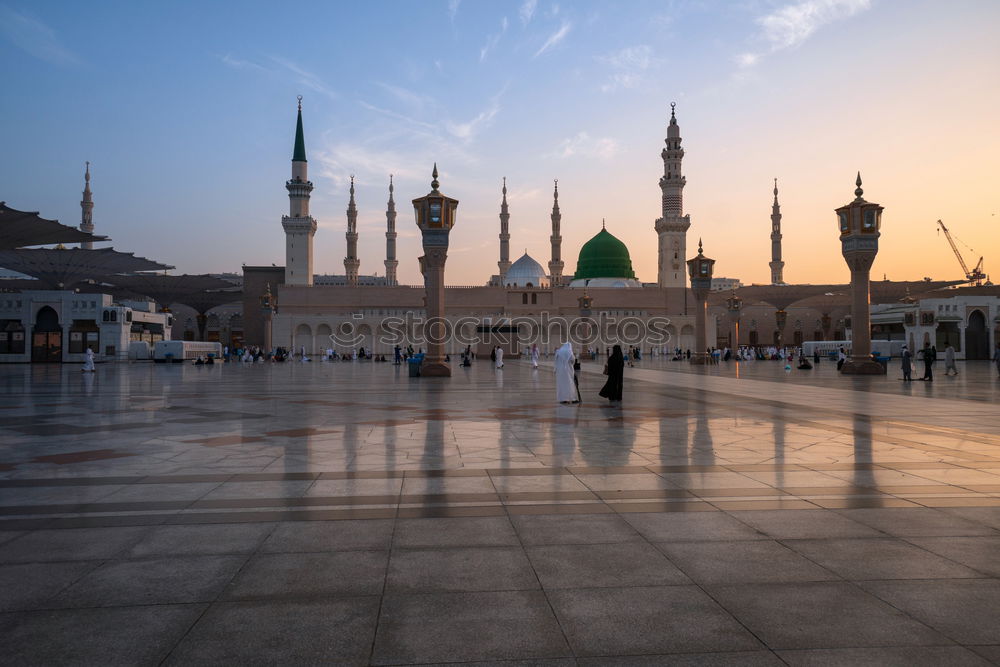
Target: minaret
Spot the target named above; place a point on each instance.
(351, 262)
(87, 210)
(504, 263)
(390, 239)
(777, 266)
(672, 227)
(298, 224)
(556, 265)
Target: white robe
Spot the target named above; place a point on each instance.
(499, 357)
(534, 357)
(565, 387)
(88, 362)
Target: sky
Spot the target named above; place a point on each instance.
(186, 112)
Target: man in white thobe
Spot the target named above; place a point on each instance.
(565, 387)
(88, 361)
(499, 357)
(534, 355)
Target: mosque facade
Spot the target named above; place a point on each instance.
(601, 296)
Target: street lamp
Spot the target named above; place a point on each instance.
(700, 269)
(859, 223)
(435, 214)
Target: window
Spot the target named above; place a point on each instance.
(11, 337)
(534, 298)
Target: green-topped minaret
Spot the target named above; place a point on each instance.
(299, 153)
(298, 224)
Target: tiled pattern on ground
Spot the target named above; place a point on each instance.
(347, 514)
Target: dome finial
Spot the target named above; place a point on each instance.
(700, 252)
(776, 188)
(858, 191)
(603, 225)
(300, 102)
(434, 175)
(555, 191)
(390, 184)
(504, 189)
(86, 175)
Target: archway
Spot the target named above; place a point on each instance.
(977, 337)
(303, 340)
(46, 341)
(687, 338)
(324, 338)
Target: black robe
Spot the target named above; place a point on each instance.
(612, 389)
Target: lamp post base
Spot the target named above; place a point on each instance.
(435, 369)
(862, 367)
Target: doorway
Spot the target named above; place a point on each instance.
(46, 341)
(977, 337)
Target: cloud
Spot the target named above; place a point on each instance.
(453, 9)
(554, 39)
(582, 144)
(492, 40)
(791, 25)
(305, 77)
(628, 67)
(467, 131)
(527, 11)
(237, 63)
(404, 95)
(35, 38)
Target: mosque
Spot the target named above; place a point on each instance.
(304, 311)
(603, 289)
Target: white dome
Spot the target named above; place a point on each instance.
(526, 272)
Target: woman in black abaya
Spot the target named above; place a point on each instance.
(612, 389)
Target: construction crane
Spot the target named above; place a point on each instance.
(976, 275)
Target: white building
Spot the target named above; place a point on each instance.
(967, 318)
(59, 326)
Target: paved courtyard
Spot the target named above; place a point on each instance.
(344, 513)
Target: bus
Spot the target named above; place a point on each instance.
(178, 351)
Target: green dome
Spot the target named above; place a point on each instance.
(604, 256)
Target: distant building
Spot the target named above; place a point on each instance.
(726, 284)
(59, 326)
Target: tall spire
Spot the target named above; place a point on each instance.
(556, 263)
(777, 266)
(504, 263)
(87, 210)
(351, 262)
(390, 239)
(672, 227)
(299, 153)
(299, 226)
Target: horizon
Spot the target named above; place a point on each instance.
(190, 147)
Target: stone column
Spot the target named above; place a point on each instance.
(435, 330)
(860, 224)
(700, 268)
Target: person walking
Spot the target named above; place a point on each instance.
(907, 365)
(88, 362)
(928, 361)
(949, 360)
(534, 355)
(565, 377)
(499, 357)
(615, 370)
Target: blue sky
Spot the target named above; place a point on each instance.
(186, 111)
